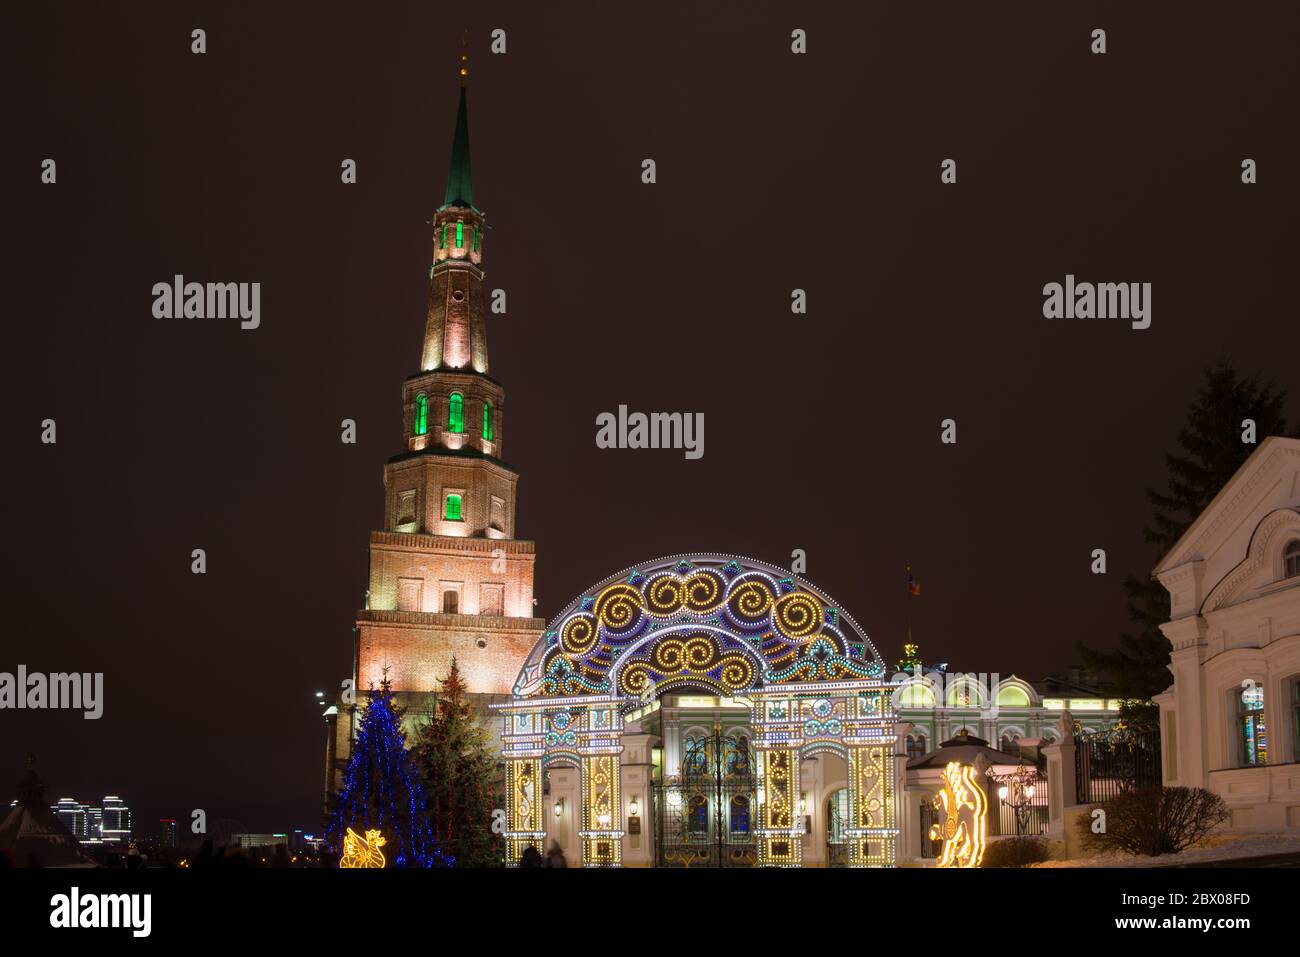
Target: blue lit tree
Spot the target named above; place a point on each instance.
(381, 790)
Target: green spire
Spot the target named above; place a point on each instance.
(459, 192)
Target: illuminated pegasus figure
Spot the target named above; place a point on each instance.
(963, 802)
(361, 851)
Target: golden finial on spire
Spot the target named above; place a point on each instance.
(464, 58)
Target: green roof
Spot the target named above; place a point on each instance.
(459, 192)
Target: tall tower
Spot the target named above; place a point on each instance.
(448, 578)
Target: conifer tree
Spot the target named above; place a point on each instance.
(1210, 450)
(381, 790)
(458, 766)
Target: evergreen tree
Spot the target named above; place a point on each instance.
(1210, 452)
(459, 769)
(381, 790)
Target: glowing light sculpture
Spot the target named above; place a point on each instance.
(361, 851)
(965, 821)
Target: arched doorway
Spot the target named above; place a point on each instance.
(769, 643)
(704, 814)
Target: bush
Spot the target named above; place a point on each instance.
(1016, 852)
(1156, 820)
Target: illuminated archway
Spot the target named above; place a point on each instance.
(740, 627)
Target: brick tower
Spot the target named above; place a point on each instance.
(448, 578)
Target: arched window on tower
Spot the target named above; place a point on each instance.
(421, 415)
(460, 235)
(456, 413)
(452, 513)
(487, 420)
(1291, 560)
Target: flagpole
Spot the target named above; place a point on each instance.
(907, 604)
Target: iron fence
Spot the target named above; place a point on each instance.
(1113, 762)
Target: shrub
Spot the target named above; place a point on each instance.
(1156, 820)
(1016, 852)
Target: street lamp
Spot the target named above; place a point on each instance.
(1016, 791)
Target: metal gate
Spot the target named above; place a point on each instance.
(706, 815)
(929, 818)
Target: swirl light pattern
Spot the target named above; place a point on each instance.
(732, 624)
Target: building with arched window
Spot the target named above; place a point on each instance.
(447, 576)
(1231, 720)
(939, 704)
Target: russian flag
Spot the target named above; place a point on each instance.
(913, 586)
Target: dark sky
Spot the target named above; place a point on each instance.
(775, 171)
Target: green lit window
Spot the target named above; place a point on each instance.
(487, 420)
(452, 514)
(444, 235)
(422, 415)
(456, 413)
(460, 235)
(474, 234)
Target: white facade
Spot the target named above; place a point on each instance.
(1231, 721)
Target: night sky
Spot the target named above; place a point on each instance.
(775, 172)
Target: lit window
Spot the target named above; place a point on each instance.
(736, 750)
(1251, 732)
(697, 757)
(444, 235)
(698, 815)
(474, 233)
(422, 415)
(740, 814)
(487, 420)
(456, 413)
(1291, 560)
(460, 235)
(452, 512)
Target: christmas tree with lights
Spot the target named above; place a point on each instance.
(459, 768)
(381, 792)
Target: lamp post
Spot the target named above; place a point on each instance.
(1016, 791)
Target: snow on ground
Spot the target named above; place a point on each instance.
(1220, 848)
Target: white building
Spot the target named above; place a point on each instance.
(1231, 721)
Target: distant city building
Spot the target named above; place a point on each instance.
(107, 823)
(261, 840)
(116, 828)
(168, 828)
(72, 813)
